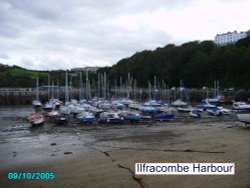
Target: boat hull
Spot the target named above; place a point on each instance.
(167, 117)
(244, 117)
(39, 121)
(111, 121)
(86, 120)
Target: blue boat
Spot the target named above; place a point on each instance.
(204, 106)
(215, 111)
(110, 118)
(130, 116)
(86, 117)
(163, 117)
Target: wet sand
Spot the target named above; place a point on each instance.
(104, 155)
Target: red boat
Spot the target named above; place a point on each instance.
(36, 118)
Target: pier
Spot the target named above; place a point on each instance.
(25, 96)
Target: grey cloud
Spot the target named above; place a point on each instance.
(67, 33)
(4, 55)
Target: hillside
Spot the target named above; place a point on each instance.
(15, 76)
(196, 63)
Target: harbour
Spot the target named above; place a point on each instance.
(84, 148)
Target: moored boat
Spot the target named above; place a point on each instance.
(37, 104)
(244, 117)
(185, 109)
(86, 117)
(241, 106)
(36, 118)
(62, 119)
(195, 114)
(164, 116)
(47, 107)
(130, 116)
(110, 118)
(179, 103)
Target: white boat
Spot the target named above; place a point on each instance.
(244, 117)
(37, 104)
(110, 118)
(212, 100)
(241, 106)
(86, 117)
(135, 105)
(64, 110)
(185, 109)
(53, 114)
(47, 107)
(179, 103)
(225, 111)
(195, 114)
(36, 118)
(77, 109)
(105, 105)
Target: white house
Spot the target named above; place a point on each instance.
(230, 37)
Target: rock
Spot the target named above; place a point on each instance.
(68, 152)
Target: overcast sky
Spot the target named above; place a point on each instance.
(62, 34)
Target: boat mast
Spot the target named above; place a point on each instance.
(37, 87)
(80, 86)
(52, 90)
(66, 87)
(57, 91)
(48, 87)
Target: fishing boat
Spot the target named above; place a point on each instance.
(164, 116)
(86, 117)
(36, 118)
(130, 116)
(110, 118)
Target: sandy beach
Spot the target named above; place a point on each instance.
(105, 155)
